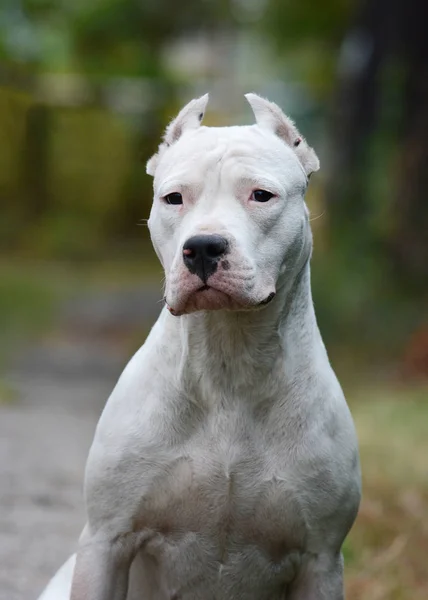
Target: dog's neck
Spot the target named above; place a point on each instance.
(239, 350)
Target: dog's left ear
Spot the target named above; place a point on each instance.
(189, 117)
(270, 116)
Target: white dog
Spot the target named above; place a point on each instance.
(225, 463)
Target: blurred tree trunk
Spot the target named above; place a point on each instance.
(355, 110)
(36, 160)
(409, 238)
(355, 117)
(384, 33)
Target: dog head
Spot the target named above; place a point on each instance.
(228, 220)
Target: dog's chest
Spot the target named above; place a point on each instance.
(224, 499)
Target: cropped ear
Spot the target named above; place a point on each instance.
(270, 116)
(189, 117)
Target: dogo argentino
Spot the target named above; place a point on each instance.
(225, 464)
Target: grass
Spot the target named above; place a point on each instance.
(32, 293)
(386, 552)
(28, 298)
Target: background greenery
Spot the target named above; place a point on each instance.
(86, 89)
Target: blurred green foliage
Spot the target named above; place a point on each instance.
(29, 298)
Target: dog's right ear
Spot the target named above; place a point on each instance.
(189, 117)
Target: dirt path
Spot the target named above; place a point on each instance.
(44, 439)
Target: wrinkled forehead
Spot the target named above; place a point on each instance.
(240, 152)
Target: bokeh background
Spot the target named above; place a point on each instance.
(86, 89)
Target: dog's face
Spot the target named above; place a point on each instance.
(228, 216)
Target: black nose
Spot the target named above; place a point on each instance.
(201, 254)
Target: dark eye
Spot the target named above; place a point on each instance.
(174, 198)
(262, 196)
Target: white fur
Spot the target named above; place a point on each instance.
(225, 463)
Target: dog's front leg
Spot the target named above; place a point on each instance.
(321, 578)
(102, 567)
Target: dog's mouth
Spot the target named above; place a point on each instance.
(268, 299)
(207, 297)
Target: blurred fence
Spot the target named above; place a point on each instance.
(69, 177)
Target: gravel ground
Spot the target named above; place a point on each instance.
(43, 448)
(45, 435)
